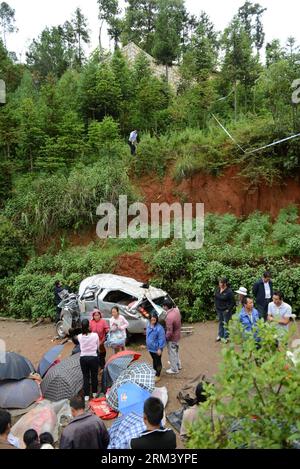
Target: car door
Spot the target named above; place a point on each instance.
(88, 302)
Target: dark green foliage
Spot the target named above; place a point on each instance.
(240, 250)
(139, 23)
(45, 204)
(254, 400)
(12, 248)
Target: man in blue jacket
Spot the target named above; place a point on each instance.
(263, 293)
(249, 316)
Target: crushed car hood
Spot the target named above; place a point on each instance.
(129, 285)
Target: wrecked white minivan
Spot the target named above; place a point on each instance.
(104, 291)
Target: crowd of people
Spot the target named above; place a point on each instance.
(88, 431)
(265, 304)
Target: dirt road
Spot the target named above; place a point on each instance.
(199, 352)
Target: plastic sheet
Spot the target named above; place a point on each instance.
(45, 417)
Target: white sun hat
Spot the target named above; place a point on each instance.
(242, 291)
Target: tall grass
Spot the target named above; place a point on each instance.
(44, 204)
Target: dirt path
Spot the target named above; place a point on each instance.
(199, 352)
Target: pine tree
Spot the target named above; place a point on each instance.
(140, 23)
(48, 54)
(81, 35)
(201, 56)
(108, 12)
(7, 20)
(168, 30)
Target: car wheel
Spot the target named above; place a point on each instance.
(60, 330)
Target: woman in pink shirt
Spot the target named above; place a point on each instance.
(117, 331)
(89, 345)
(100, 327)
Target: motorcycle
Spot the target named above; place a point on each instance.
(69, 316)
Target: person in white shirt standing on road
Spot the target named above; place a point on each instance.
(133, 141)
(89, 345)
(279, 312)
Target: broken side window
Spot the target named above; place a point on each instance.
(119, 297)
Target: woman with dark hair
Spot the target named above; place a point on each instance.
(225, 304)
(117, 330)
(31, 439)
(46, 441)
(89, 345)
(155, 341)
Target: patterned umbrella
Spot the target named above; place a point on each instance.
(19, 394)
(116, 365)
(64, 380)
(15, 367)
(138, 373)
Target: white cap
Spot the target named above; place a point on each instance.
(242, 291)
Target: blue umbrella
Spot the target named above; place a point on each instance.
(131, 398)
(19, 394)
(15, 367)
(48, 359)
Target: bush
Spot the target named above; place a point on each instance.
(254, 403)
(191, 277)
(286, 226)
(293, 246)
(13, 248)
(104, 137)
(151, 156)
(32, 296)
(45, 204)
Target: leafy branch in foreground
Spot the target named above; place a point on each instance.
(255, 401)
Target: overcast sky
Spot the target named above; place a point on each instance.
(32, 16)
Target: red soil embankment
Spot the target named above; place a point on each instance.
(228, 193)
(132, 265)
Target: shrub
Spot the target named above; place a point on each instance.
(293, 245)
(12, 248)
(286, 225)
(32, 296)
(151, 156)
(45, 204)
(255, 402)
